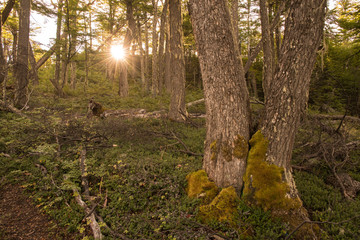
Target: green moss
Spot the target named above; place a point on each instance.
(223, 208)
(264, 185)
(199, 186)
(213, 149)
(241, 147)
(226, 152)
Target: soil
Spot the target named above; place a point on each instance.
(20, 219)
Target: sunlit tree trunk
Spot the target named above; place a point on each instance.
(161, 57)
(167, 70)
(22, 60)
(57, 76)
(155, 68)
(73, 35)
(130, 34)
(142, 57)
(177, 75)
(226, 94)
(147, 68)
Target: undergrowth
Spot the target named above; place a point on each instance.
(137, 172)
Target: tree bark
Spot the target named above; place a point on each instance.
(226, 94)
(3, 62)
(289, 90)
(21, 66)
(177, 102)
(268, 72)
(161, 56)
(155, 68)
(130, 34)
(5, 13)
(57, 49)
(167, 73)
(33, 76)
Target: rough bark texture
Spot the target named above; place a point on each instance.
(267, 47)
(226, 95)
(288, 93)
(21, 66)
(177, 102)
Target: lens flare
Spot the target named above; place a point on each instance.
(118, 52)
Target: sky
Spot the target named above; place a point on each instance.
(45, 32)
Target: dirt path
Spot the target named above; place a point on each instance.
(20, 219)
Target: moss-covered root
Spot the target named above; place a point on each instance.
(222, 208)
(265, 186)
(199, 186)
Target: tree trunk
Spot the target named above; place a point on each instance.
(130, 34)
(21, 66)
(177, 102)
(5, 13)
(167, 73)
(161, 57)
(268, 72)
(73, 5)
(142, 57)
(288, 93)
(155, 69)
(33, 71)
(226, 94)
(3, 62)
(57, 85)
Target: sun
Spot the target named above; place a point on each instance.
(118, 52)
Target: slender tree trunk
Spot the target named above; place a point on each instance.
(65, 61)
(155, 68)
(57, 86)
(22, 61)
(268, 72)
(167, 73)
(142, 57)
(161, 57)
(226, 94)
(6, 12)
(33, 71)
(147, 68)
(73, 41)
(130, 34)
(177, 102)
(3, 62)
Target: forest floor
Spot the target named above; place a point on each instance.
(21, 219)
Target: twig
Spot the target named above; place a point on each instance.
(116, 234)
(319, 222)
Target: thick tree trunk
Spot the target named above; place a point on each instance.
(21, 66)
(288, 93)
(177, 102)
(226, 94)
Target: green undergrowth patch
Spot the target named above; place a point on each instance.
(325, 203)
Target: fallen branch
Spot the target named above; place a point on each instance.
(335, 117)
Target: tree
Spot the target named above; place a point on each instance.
(21, 66)
(268, 179)
(177, 102)
(226, 95)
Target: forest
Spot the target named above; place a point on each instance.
(180, 119)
